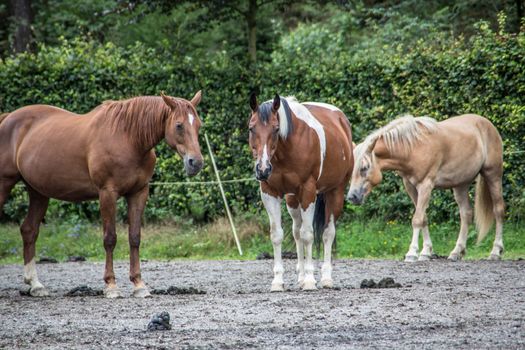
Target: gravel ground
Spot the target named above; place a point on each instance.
(441, 304)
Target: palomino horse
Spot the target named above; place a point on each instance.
(303, 152)
(428, 154)
(105, 154)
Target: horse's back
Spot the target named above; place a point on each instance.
(338, 163)
(467, 144)
(47, 146)
(474, 126)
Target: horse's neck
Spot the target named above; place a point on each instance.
(144, 131)
(283, 152)
(388, 160)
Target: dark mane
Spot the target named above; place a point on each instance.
(144, 117)
(265, 111)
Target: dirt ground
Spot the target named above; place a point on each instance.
(465, 305)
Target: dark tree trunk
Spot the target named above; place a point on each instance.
(22, 17)
(251, 21)
(519, 11)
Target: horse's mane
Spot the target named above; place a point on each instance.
(142, 117)
(399, 135)
(284, 112)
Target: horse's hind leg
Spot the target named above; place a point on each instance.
(493, 181)
(136, 204)
(6, 185)
(29, 230)
(465, 213)
(334, 205)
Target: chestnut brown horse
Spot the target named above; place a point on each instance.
(428, 155)
(104, 154)
(303, 152)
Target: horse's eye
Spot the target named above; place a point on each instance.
(180, 126)
(276, 130)
(252, 129)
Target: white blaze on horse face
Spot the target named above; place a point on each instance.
(304, 114)
(264, 161)
(191, 118)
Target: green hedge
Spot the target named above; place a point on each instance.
(484, 75)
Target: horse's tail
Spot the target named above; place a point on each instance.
(483, 208)
(319, 221)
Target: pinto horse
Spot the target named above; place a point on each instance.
(104, 154)
(303, 152)
(427, 155)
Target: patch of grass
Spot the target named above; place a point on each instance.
(371, 239)
(377, 239)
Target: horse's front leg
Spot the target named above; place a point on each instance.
(465, 213)
(272, 203)
(136, 203)
(108, 205)
(419, 222)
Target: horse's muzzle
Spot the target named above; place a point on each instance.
(355, 197)
(193, 165)
(262, 175)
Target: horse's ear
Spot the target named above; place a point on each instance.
(253, 102)
(167, 100)
(276, 103)
(196, 99)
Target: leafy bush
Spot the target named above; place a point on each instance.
(439, 77)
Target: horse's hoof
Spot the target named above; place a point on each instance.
(327, 283)
(277, 287)
(411, 258)
(454, 257)
(39, 291)
(141, 293)
(309, 285)
(494, 257)
(112, 293)
(423, 258)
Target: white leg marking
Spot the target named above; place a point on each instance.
(31, 278)
(411, 255)
(295, 213)
(328, 239)
(273, 208)
(426, 252)
(307, 236)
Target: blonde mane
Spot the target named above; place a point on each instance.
(399, 135)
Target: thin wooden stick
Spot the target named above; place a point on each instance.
(223, 195)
